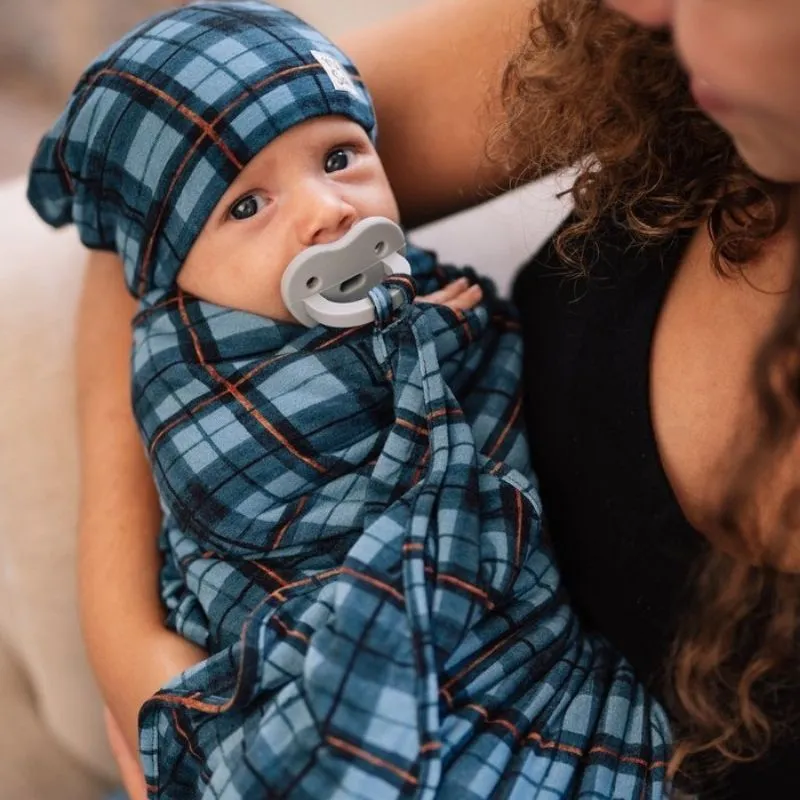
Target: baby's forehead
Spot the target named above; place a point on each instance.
(296, 144)
(315, 130)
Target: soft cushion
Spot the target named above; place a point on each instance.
(52, 743)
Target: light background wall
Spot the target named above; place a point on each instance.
(53, 39)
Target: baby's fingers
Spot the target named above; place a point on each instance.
(469, 298)
(458, 295)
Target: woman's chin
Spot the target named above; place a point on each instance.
(770, 158)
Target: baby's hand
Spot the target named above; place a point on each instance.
(458, 295)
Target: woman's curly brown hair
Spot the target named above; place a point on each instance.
(588, 88)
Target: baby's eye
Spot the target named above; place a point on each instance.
(247, 206)
(338, 159)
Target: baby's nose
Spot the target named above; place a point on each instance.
(328, 217)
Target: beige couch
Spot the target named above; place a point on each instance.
(51, 739)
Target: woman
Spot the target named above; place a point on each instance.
(735, 685)
(640, 370)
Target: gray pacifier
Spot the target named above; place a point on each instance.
(329, 284)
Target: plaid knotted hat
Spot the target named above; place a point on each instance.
(160, 125)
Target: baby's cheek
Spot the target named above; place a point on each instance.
(263, 292)
(238, 280)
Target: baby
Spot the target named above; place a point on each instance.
(351, 527)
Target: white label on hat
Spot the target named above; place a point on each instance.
(340, 77)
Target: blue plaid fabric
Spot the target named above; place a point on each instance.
(353, 533)
(160, 125)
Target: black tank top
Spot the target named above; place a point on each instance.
(625, 549)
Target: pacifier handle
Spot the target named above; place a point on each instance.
(329, 284)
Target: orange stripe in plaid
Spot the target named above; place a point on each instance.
(385, 587)
(175, 422)
(552, 744)
(322, 576)
(198, 350)
(469, 667)
(498, 467)
(423, 464)
(141, 286)
(503, 723)
(443, 412)
(148, 312)
(462, 318)
(209, 400)
(549, 744)
(337, 338)
(185, 736)
(418, 429)
(196, 705)
(512, 419)
(374, 582)
(467, 587)
(340, 744)
(639, 762)
(290, 631)
(282, 531)
(274, 575)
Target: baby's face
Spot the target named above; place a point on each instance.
(309, 186)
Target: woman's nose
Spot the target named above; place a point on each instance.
(324, 215)
(649, 13)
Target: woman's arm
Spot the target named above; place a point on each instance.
(131, 652)
(434, 74)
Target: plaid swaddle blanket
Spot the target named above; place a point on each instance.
(352, 531)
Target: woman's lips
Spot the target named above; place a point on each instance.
(709, 98)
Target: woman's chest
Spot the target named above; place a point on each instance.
(634, 382)
(705, 343)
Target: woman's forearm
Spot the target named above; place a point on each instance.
(435, 75)
(122, 619)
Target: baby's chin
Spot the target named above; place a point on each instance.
(282, 314)
(270, 309)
